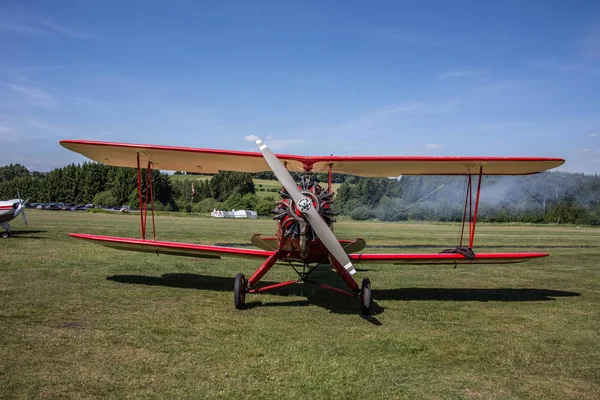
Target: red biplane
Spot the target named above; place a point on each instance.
(304, 217)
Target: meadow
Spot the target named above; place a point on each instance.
(78, 320)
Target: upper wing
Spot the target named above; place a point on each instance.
(444, 258)
(173, 248)
(211, 161)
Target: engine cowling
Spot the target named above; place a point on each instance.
(292, 222)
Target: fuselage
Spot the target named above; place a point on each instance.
(7, 209)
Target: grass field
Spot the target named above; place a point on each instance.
(79, 320)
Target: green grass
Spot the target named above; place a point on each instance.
(80, 320)
(195, 178)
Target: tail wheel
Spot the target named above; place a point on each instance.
(5, 234)
(365, 297)
(239, 291)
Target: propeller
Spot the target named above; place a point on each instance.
(305, 205)
(21, 208)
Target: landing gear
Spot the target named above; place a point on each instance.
(239, 291)
(242, 286)
(365, 297)
(6, 234)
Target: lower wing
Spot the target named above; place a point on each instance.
(173, 248)
(444, 258)
(216, 252)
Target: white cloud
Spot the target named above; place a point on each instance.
(35, 96)
(585, 150)
(501, 141)
(553, 65)
(19, 20)
(275, 144)
(592, 135)
(458, 73)
(284, 143)
(433, 146)
(590, 43)
(404, 108)
(418, 107)
(496, 127)
(27, 69)
(406, 36)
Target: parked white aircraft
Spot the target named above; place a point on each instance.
(9, 209)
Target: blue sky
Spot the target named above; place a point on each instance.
(489, 78)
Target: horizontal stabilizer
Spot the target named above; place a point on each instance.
(271, 243)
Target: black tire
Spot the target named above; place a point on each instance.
(239, 291)
(5, 234)
(365, 297)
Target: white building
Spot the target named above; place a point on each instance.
(244, 214)
(233, 214)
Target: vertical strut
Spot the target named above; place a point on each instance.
(329, 178)
(149, 174)
(139, 178)
(472, 238)
(263, 269)
(145, 210)
(344, 274)
(467, 199)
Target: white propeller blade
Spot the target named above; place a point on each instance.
(21, 208)
(23, 214)
(304, 204)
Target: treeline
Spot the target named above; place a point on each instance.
(319, 177)
(552, 197)
(269, 175)
(104, 185)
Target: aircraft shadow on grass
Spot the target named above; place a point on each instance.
(338, 303)
(335, 303)
(26, 234)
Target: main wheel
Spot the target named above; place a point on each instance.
(365, 297)
(5, 234)
(239, 291)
